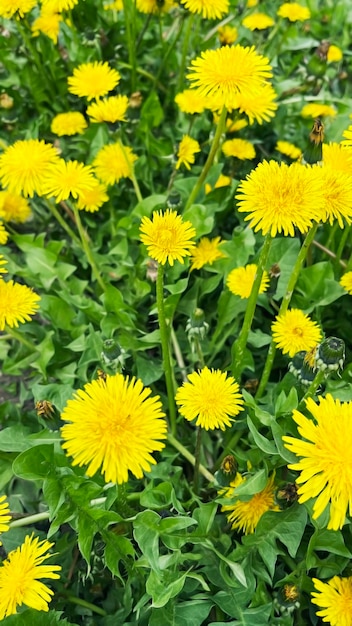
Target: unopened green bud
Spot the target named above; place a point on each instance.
(331, 354)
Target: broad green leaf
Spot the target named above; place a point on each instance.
(262, 442)
(146, 533)
(163, 586)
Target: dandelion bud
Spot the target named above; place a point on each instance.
(45, 409)
(331, 354)
(173, 200)
(314, 150)
(296, 364)
(196, 326)
(113, 355)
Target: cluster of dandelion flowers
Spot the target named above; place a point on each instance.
(13, 207)
(71, 123)
(228, 70)
(334, 599)
(112, 109)
(113, 162)
(294, 331)
(67, 178)
(17, 304)
(206, 252)
(114, 426)
(211, 398)
(346, 282)
(5, 516)
(93, 80)
(9, 8)
(325, 465)
(208, 9)
(241, 279)
(186, 152)
(21, 574)
(167, 237)
(23, 166)
(244, 516)
(279, 197)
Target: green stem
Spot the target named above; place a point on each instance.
(189, 456)
(178, 355)
(197, 453)
(342, 243)
(129, 11)
(135, 185)
(87, 250)
(30, 519)
(209, 162)
(169, 50)
(15, 334)
(185, 47)
(285, 304)
(240, 345)
(87, 605)
(52, 207)
(164, 336)
(312, 389)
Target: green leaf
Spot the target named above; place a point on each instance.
(191, 613)
(262, 442)
(253, 485)
(146, 533)
(31, 617)
(163, 586)
(14, 438)
(286, 404)
(287, 526)
(330, 541)
(117, 549)
(35, 463)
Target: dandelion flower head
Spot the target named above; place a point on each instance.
(245, 515)
(294, 331)
(68, 178)
(93, 80)
(17, 304)
(222, 181)
(23, 166)
(279, 197)
(14, 208)
(59, 5)
(155, 6)
(227, 34)
(334, 54)
(112, 109)
(334, 599)
(228, 70)
(346, 282)
(3, 270)
(338, 156)
(47, 23)
(325, 463)
(113, 162)
(191, 101)
(240, 280)
(313, 109)
(71, 123)
(92, 199)
(9, 8)
(113, 427)
(239, 148)
(4, 235)
(294, 12)
(20, 576)
(5, 516)
(186, 152)
(258, 107)
(208, 9)
(288, 149)
(211, 398)
(258, 21)
(206, 252)
(337, 195)
(167, 237)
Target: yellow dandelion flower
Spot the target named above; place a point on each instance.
(112, 109)
(114, 426)
(288, 149)
(23, 166)
(294, 12)
(3, 270)
(227, 34)
(313, 109)
(346, 282)
(155, 6)
(260, 107)
(71, 123)
(93, 80)
(325, 465)
(211, 398)
(4, 235)
(206, 252)
(337, 195)
(208, 9)
(334, 599)
(233, 126)
(20, 576)
(187, 149)
(240, 280)
(280, 197)
(17, 304)
(252, 3)
(5, 516)
(14, 208)
(258, 21)
(167, 237)
(113, 162)
(117, 5)
(57, 6)
(334, 54)
(47, 23)
(222, 181)
(348, 137)
(245, 515)
(9, 8)
(294, 331)
(92, 199)
(229, 70)
(67, 178)
(239, 148)
(191, 101)
(338, 155)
